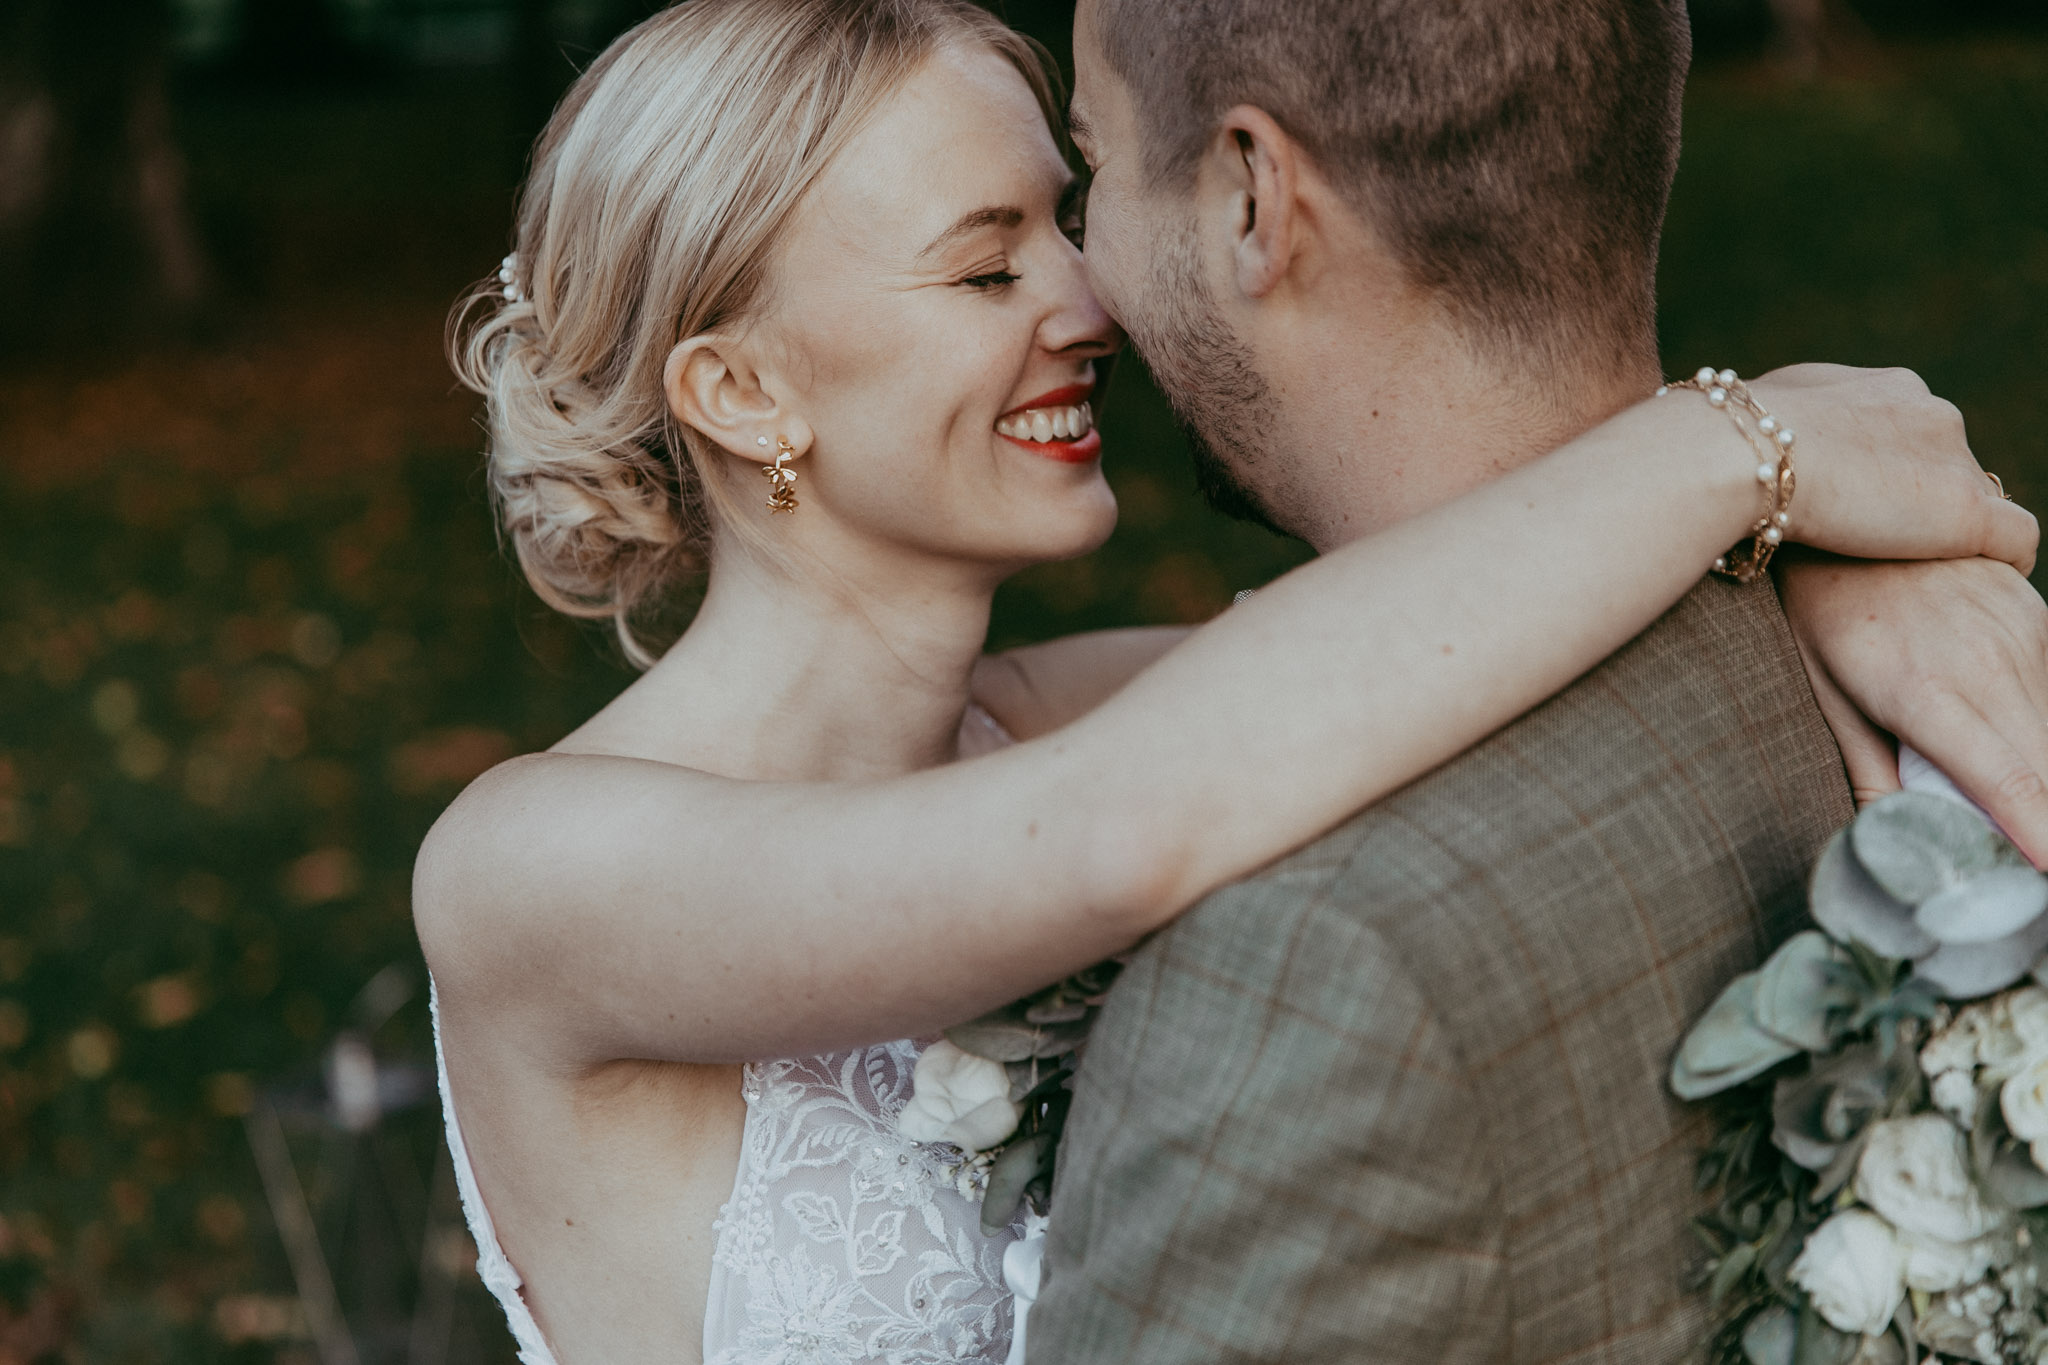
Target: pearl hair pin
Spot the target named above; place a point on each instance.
(508, 277)
(1772, 441)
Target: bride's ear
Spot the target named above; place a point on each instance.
(715, 388)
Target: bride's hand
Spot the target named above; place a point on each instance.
(1885, 471)
(1950, 656)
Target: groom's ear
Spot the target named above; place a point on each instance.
(1260, 173)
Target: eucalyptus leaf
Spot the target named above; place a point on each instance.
(1852, 907)
(1795, 991)
(1820, 1344)
(1813, 1115)
(1962, 971)
(1842, 1169)
(2015, 1181)
(1880, 1349)
(1990, 905)
(1726, 1047)
(1729, 1273)
(1915, 846)
(1770, 1337)
(999, 1040)
(1058, 1010)
(1009, 1177)
(1026, 1076)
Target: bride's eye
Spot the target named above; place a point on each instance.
(994, 279)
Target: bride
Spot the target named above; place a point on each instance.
(835, 242)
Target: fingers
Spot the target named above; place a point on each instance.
(2012, 534)
(1867, 752)
(1990, 769)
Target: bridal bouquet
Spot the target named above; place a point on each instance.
(1881, 1173)
(998, 1089)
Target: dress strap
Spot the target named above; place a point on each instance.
(492, 1265)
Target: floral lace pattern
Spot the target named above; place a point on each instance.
(844, 1240)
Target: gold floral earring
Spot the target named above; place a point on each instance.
(781, 478)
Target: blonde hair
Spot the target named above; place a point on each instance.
(658, 193)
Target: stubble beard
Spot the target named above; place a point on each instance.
(1221, 402)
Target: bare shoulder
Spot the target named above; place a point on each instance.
(462, 879)
(535, 848)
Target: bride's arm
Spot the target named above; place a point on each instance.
(619, 908)
(1038, 688)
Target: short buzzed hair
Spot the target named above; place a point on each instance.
(1516, 155)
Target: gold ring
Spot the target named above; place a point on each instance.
(1999, 485)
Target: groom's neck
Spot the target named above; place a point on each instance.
(1411, 422)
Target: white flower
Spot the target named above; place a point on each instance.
(2024, 1098)
(1955, 1094)
(1854, 1270)
(1936, 1266)
(1913, 1171)
(2027, 1012)
(1954, 1046)
(959, 1098)
(2038, 1150)
(2007, 1029)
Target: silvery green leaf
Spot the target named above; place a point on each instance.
(1915, 845)
(999, 1040)
(1851, 906)
(1729, 1273)
(1009, 1177)
(1726, 1047)
(1820, 1344)
(1994, 904)
(1056, 1011)
(1813, 1115)
(1962, 971)
(1794, 991)
(1881, 1349)
(1770, 1337)
(2015, 1181)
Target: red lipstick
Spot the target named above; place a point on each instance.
(1082, 450)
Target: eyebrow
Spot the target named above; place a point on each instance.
(1002, 216)
(1077, 124)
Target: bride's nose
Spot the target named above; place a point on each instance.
(1076, 323)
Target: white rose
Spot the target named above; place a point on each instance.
(1955, 1094)
(1937, 1266)
(959, 1098)
(2027, 1011)
(1913, 1172)
(1854, 1270)
(2024, 1098)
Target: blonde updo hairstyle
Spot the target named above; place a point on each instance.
(657, 196)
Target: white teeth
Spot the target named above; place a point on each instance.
(1049, 424)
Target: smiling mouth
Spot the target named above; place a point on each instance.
(1045, 426)
(1059, 425)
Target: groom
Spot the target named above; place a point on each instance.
(1401, 1096)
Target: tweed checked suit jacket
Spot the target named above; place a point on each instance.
(1401, 1096)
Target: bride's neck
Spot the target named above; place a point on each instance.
(799, 675)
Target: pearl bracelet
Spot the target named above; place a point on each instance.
(1772, 443)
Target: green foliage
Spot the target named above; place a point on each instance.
(1039, 1039)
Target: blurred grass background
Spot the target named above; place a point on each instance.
(255, 628)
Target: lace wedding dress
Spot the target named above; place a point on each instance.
(843, 1241)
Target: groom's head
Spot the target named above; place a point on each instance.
(1489, 171)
